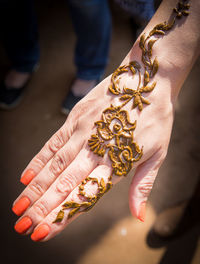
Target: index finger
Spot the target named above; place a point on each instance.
(55, 143)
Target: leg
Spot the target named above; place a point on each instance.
(141, 10)
(20, 38)
(20, 35)
(92, 23)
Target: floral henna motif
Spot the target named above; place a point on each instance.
(114, 134)
(89, 201)
(127, 93)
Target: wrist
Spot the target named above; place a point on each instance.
(168, 83)
(176, 52)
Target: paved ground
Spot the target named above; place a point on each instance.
(108, 234)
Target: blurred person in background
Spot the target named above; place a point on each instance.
(92, 24)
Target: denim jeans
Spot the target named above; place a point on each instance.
(141, 9)
(20, 33)
(92, 23)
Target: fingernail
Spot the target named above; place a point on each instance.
(21, 206)
(40, 232)
(27, 177)
(23, 225)
(142, 210)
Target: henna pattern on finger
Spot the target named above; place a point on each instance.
(114, 132)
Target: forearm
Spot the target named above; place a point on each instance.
(176, 51)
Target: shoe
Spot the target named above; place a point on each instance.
(71, 100)
(10, 97)
(169, 225)
(167, 221)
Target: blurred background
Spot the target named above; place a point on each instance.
(108, 234)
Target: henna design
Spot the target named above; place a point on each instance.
(114, 134)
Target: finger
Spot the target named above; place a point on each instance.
(142, 184)
(48, 174)
(47, 229)
(75, 173)
(56, 142)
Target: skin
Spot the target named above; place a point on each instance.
(16, 79)
(66, 160)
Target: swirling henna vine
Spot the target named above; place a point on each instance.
(114, 134)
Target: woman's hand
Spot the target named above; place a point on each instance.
(66, 159)
(56, 172)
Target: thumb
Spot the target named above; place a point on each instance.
(142, 184)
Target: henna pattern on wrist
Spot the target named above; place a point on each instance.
(114, 135)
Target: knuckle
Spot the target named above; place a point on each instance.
(146, 185)
(65, 184)
(58, 164)
(39, 160)
(145, 189)
(36, 188)
(40, 208)
(83, 167)
(56, 142)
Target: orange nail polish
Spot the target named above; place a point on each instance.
(21, 206)
(142, 211)
(23, 225)
(27, 177)
(40, 232)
